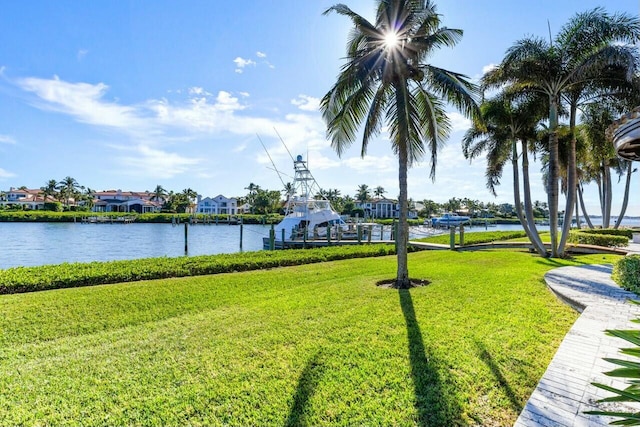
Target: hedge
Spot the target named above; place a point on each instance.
(627, 232)
(607, 240)
(50, 216)
(67, 275)
(626, 273)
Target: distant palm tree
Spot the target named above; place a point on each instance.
(68, 187)
(159, 194)
(190, 196)
(362, 193)
(386, 81)
(49, 191)
(379, 191)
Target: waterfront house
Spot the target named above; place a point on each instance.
(384, 208)
(126, 201)
(26, 198)
(219, 205)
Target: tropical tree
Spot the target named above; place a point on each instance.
(430, 208)
(363, 193)
(190, 196)
(49, 190)
(159, 194)
(251, 196)
(88, 197)
(379, 191)
(503, 123)
(387, 81)
(601, 159)
(68, 188)
(587, 55)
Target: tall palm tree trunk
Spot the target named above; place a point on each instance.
(584, 210)
(528, 207)
(516, 190)
(402, 279)
(552, 183)
(572, 176)
(625, 199)
(607, 193)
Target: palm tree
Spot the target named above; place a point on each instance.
(385, 80)
(362, 193)
(502, 124)
(190, 196)
(68, 187)
(582, 57)
(159, 194)
(49, 190)
(379, 191)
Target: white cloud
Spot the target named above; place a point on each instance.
(241, 63)
(81, 54)
(6, 174)
(371, 163)
(306, 103)
(195, 90)
(154, 163)
(488, 68)
(6, 139)
(153, 125)
(83, 101)
(458, 121)
(244, 94)
(261, 54)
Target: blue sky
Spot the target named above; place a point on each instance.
(132, 94)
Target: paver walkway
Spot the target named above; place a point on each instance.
(565, 390)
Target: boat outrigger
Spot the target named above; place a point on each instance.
(307, 217)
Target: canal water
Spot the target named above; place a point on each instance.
(30, 244)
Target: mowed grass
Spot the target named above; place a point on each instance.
(317, 344)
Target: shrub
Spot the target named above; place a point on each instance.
(626, 273)
(29, 279)
(628, 233)
(587, 238)
(53, 206)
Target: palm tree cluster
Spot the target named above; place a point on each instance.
(591, 66)
(67, 192)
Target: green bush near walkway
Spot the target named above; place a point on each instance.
(318, 344)
(626, 273)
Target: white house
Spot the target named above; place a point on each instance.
(384, 208)
(219, 205)
(29, 198)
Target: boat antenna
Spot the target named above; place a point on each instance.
(285, 145)
(271, 160)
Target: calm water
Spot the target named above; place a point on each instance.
(28, 244)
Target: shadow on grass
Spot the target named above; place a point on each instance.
(307, 383)
(433, 406)
(486, 357)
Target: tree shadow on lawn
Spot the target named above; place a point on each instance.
(488, 360)
(433, 406)
(307, 383)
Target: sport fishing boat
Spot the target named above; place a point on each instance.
(308, 217)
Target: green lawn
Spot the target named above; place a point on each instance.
(308, 345)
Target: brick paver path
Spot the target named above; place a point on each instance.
(565, 390)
